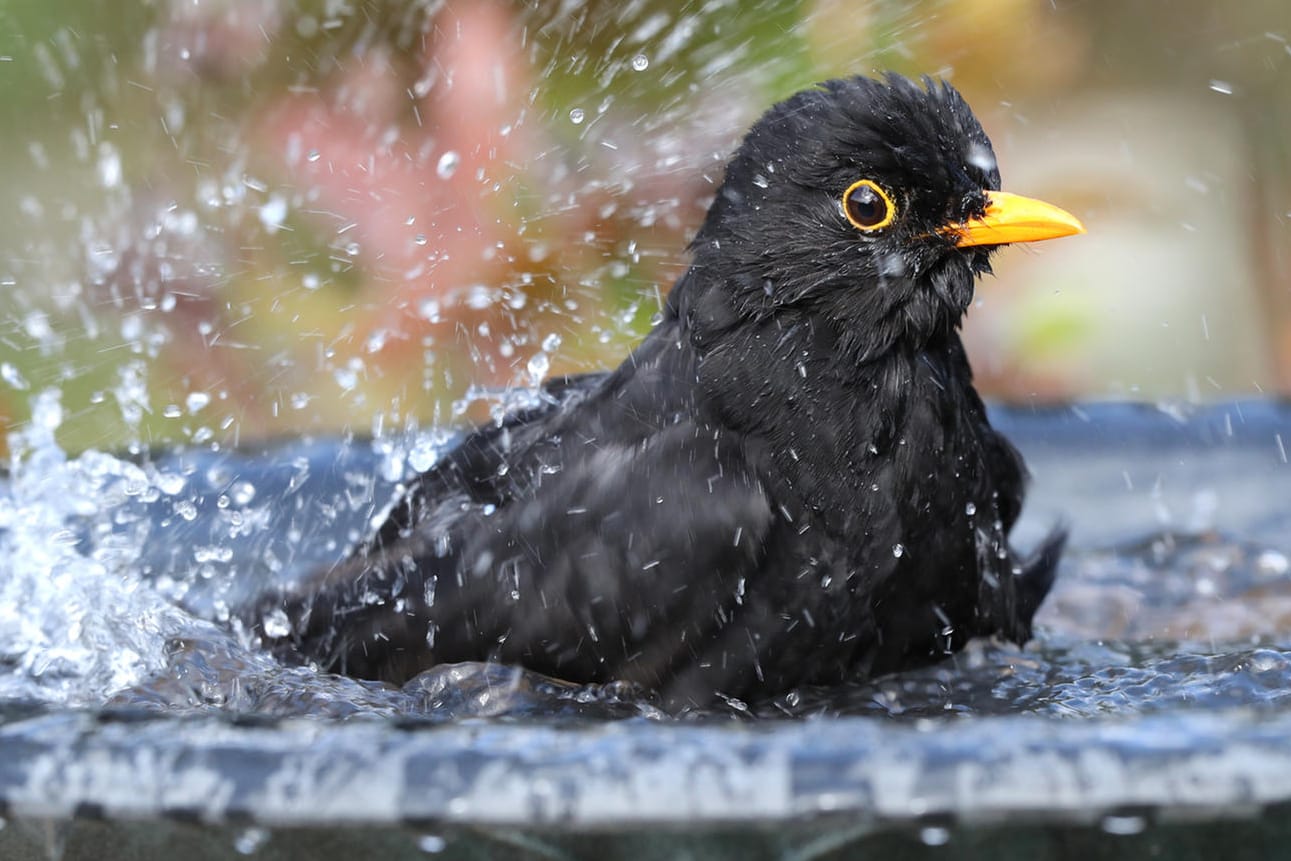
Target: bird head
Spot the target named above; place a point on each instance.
(871, 203)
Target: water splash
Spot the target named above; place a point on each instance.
(76, 622)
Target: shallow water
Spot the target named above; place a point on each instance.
(1162, 663)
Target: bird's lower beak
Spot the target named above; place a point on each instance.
(1014, 218)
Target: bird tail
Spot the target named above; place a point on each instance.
(1035, 580)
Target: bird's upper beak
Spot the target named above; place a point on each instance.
(1014, 218)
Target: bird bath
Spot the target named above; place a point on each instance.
(203, 193)
(1148, 715)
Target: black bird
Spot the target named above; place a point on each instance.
(790, 481)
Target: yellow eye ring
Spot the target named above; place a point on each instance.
(868, 206)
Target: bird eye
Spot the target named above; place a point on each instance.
(867, 206)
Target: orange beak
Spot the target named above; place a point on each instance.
(1013, 218)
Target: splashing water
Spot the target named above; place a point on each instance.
(76, 622)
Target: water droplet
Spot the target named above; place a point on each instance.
(13, 377)
(312, 156)
(37, 325)
(970, 509)
(242, 492)
(640, 63)
(213, 553)
(431, 843)
(538, 366)
(1222, 87)
(419, 239)
(276, 624)
(576, 116)
(551, 343)
(898, 550)
(1272, 562)
(760, 181)
(480, 297)
(250, 840)
(979, 155)
(196, 401)
(934, 835)
(424, 454)
(273, 213)
(170, 483)
(346, 379)
(448, 164)
(109, 166)
(1124, 825)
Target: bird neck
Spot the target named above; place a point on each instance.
(784, 367)
(883, 322)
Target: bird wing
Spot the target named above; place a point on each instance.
(606, 559)
(620, 566)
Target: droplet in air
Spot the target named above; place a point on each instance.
(448, 163)
(640, 63)
(242, 492)
(250, 841)
(538, 366)
(273, 213)
(898, 550)
(276, 624)
(109, 166)
(170, 483)
(1123, 824)
(13, 377)
(979, 155)
(347, 377)
(970, 509)
(431, 843)
(1272, 562)
(934, 835)
(576, 116)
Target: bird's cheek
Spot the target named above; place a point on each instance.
(892, 264)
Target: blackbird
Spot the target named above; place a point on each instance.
(790, 481)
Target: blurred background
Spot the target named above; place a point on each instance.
(229, 220)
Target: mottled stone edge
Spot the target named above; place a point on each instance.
(611, 776)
